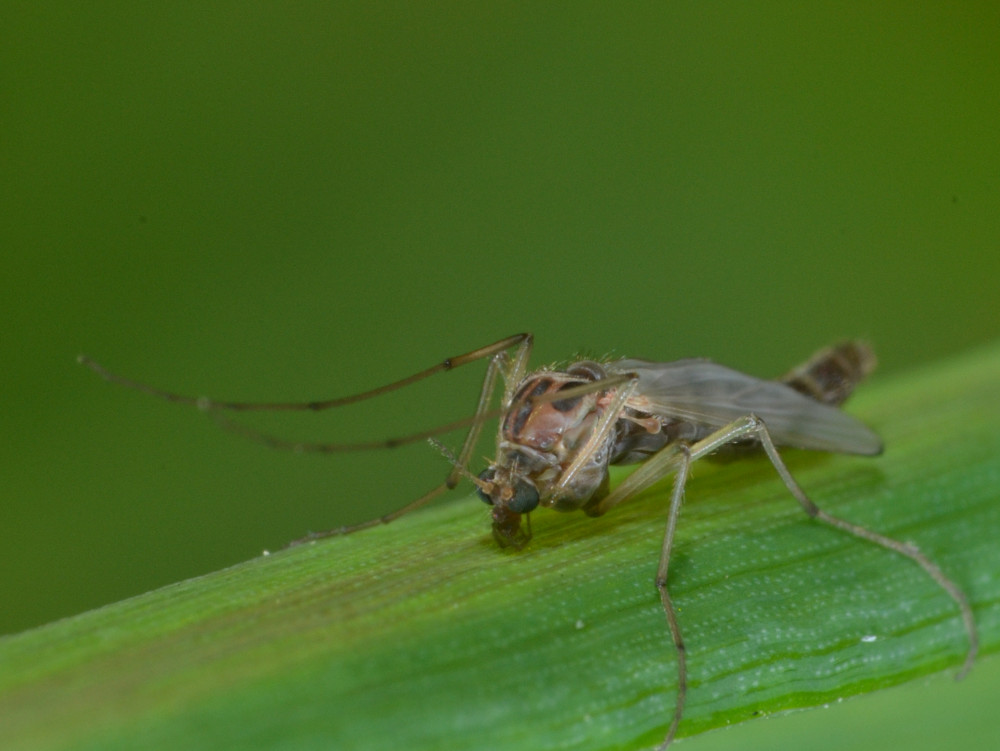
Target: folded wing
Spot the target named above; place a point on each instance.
(711, 395)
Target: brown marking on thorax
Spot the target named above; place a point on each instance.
(553, 426)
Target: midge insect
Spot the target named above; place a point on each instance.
(561, 429)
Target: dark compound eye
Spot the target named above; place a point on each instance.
(525, 498)
(486, 475)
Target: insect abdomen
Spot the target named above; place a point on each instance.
(831, 374)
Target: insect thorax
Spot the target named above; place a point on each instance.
(540, 439)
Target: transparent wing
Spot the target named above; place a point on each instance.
(711, 395)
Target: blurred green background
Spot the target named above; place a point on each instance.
(295, 201)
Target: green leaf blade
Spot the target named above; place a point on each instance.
(424, 634)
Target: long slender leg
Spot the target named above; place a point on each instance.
(517, 366)
(204, 403)
(384, 519)
(316, 447)
(477, 420)
(676, 499)
(903, 548)
(678, 457)
(753, 426)
(499, 362)
(512, 371)
(215, 408)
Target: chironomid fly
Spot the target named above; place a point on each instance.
(560, 430)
